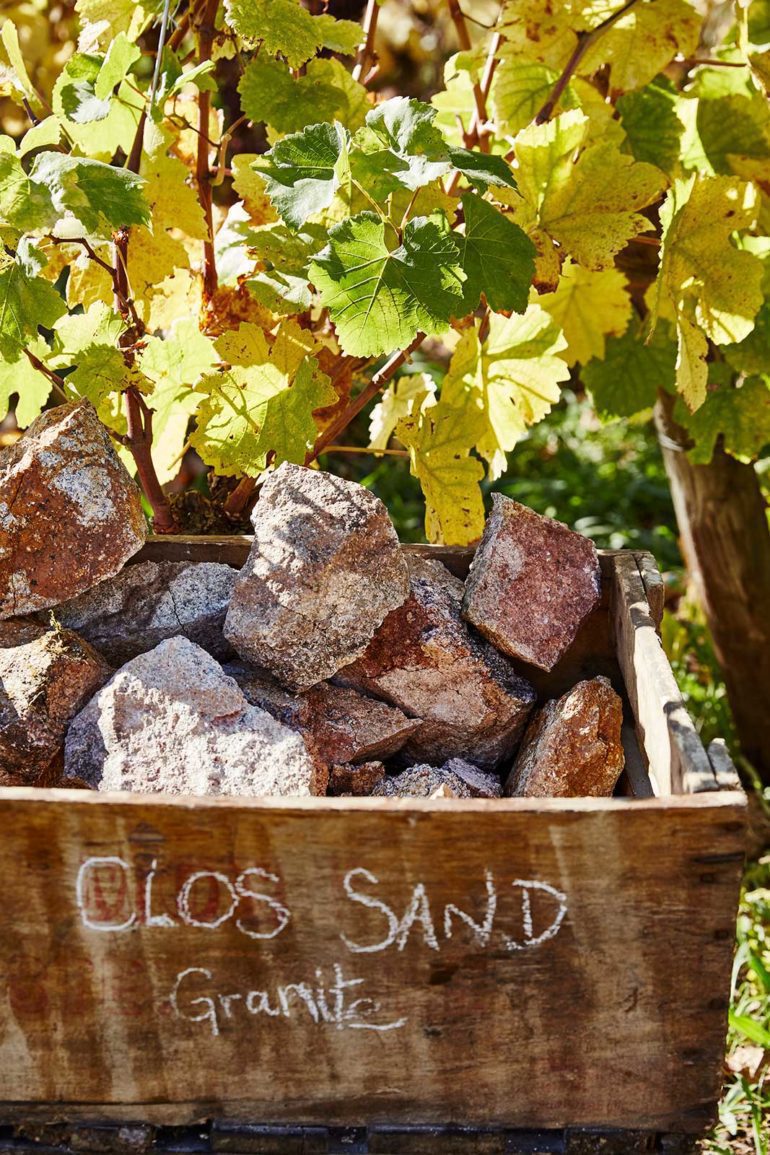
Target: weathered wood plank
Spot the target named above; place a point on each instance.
(595, 995)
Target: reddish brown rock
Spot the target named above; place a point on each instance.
(338, 723)
(146, 603)
(324, 571)
(422, 782)
(572, 747)
(531, 584)
(357, 781)
(425, 660)
(172, 721)
(70, 515)
(46, 676)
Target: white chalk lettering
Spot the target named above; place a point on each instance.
(530, 939)
(151, 919)
(482, 931)
(372, 904)
(87, 875)
(183, 901)
(417, 911)
(282, 912)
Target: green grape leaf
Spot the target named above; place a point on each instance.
(281, 281)
(122, 55)
(399, 147)
(86, 344)
(589, 305)
(752, 354)
(21, 87)
(482, 169)
(713, 288)
(627, 380)
(24, 205)
(586, 195)
(102, 198)
(520, 89)
(45, 134)
(301, 171)
(31, 386)
(261, 412)
(652, 127)
(439, 439)
(498, 258)
(98, 127)
(285, 28)
(642, 42)
(510, 380)
(326, 92)
(27, 300)
(74, 332)
(409, 394)
(733, 128)
(378, 298)
(739, 415)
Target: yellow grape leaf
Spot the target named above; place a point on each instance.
(507, 382)
(179, 295)
(20, 87)
(584, 194)
(250, 187)
(455, 102)
(589, 306)
(439, 440)
(714, 288)
(103, 20)
(642, 42)
(260, 413)
(538, 32)
(411, 393)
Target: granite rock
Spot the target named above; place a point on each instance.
(358, 780)
(46, 676)
(481, 783)
(171, 720)
(531, 584)
(428, 662)
(70, 515)
(422, 782)
(338, 724)
(572, 747)
(324, 571)
(146, 603)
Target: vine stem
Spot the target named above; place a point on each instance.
(464, 40)
(366, 51)
(584, 43)
(205, 31)
(378, 382)
(240, 497)
(139, 419)
(56, 381)
(475, 133)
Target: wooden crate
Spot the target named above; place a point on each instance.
(381, 963)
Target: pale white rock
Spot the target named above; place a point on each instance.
(171, 720)
(148, 602)
(325, 570)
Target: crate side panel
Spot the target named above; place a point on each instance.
(437, 964)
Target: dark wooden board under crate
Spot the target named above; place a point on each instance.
(518, 964)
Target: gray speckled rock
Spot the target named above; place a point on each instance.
(531, 583)
(172, 720)
(338, 724)
(324, 571)
(146, 603)
(572, 747)
(481, 783)
(422, 782)
(70, 515)
(425, 660)
(46, 675)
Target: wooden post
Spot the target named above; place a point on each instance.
(725, 538)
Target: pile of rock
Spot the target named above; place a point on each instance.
(334, 662)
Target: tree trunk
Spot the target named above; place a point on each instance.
(725, 539)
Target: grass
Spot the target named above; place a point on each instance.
(609, 482)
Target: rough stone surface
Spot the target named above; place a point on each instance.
(172, 720)
(324, 571)
(425, 660)
(338, 724)
(572, 747)
(46, 676)
(70, 515)
(531, 584)
(422, 782)
(481, 783)
(355, 780)
(146, 603)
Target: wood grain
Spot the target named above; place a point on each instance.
(617, 1019)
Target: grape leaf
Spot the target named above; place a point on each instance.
(733, 127)
(27, 300)
(627, 380)
(102, 198)
(642, 42)
(409, 394)
(739, 415)
(250, 186)
(24, 205)
(104, 20)
(752, 354)
(121, 56)
(439, 439)
(45, 134)
(301, 171)
(399, 146)
(284, 27)
(589, 306)
(482, 169)
(261, 412)
(281, 282)
(714, 289)
(538, 32)
(519, 91)
(652, 127)
(31, 386)
(586, 195)
(497, 258)
(113, 122)
(455, 104)
(326, 92)
(511, 380)
(22, 87)
(380, 299)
